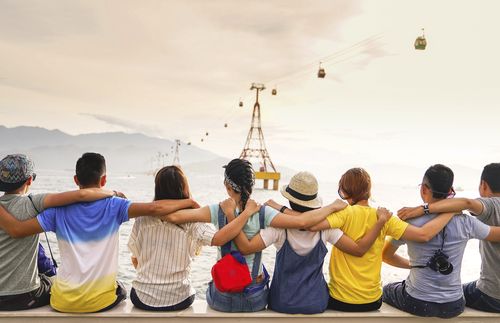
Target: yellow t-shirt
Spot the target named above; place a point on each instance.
(356, 280)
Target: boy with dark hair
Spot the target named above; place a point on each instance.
(483, 294)
(22, 286)
(87, 235)
(433, 287)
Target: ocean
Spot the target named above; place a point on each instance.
(209, 189)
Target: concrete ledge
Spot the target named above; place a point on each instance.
(126, 312)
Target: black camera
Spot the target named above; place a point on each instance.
(439, 262)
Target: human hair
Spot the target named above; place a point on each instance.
(89, 168)
(171, 184)
(300, 208)
(356, 184)
(241, 173)
(439, 179)
(491, 175)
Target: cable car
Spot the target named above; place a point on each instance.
(206, 134)
(321, 72)
(274, 91)
(189, 143)
(201, 139)
(241, 103)
(225, 125)
(421, 42)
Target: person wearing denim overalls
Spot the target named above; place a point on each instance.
(298, 285)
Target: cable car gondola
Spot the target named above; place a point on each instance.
(201, 139)
(321, 72)
(225, 125)
(189, 143)
(274, 91)
(206, 133)
(421, 42)
(241, 104)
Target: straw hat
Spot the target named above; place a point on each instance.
(303, 190)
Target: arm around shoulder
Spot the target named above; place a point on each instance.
(16, 228)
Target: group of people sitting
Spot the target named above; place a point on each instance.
(169, 231)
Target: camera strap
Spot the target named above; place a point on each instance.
(443, 234)
(46, 237)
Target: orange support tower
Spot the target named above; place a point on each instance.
(255, 147)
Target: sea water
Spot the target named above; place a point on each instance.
(209, 189)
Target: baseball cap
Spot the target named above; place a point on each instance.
(14, 171)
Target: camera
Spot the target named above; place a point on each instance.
(439, 262)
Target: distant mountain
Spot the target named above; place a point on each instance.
(54, 149)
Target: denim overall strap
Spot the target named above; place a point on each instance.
(298, 285)
(258, 255)
(226, 248)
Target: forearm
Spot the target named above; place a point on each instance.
(369, 238)
(242, 243)
(16, 228)
(397, 261)
(164, 207)
(451, 205)
(230, 230)
(429, 230)
(313, 217)
(70, 197)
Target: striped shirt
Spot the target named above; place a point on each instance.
(164, 252)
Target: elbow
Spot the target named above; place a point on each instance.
(82, 195)
(303, 224)
(14, 233)
(424, 237)
(358, 253)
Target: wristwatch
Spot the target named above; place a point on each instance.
(283, 208)
(426, 208)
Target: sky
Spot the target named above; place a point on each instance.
(177, 69)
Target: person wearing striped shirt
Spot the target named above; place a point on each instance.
(162, 252)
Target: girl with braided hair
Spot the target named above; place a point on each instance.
(239, 180)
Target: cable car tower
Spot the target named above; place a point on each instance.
(177, 161)
(255, 147)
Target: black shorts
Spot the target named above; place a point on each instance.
(37, 298)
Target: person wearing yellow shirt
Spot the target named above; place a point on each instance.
(355, 282)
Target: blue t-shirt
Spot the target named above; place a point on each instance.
(87, 235)
(429, 285)
(251, 228)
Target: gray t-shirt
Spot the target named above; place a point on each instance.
(427, 284)
(18, 265)
(489, 280)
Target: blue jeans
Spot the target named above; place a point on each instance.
(478, 300)
(395, 295)
(236, 302)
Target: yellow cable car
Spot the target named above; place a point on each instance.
(321, 72)
(421, 42)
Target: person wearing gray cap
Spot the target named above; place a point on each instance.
(21, 284)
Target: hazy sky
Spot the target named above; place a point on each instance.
(177, 69)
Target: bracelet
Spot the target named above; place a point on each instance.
(283, 208)
(426, 209)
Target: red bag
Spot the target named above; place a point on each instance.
(230, 274)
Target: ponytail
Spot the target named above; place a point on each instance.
(240, 176)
